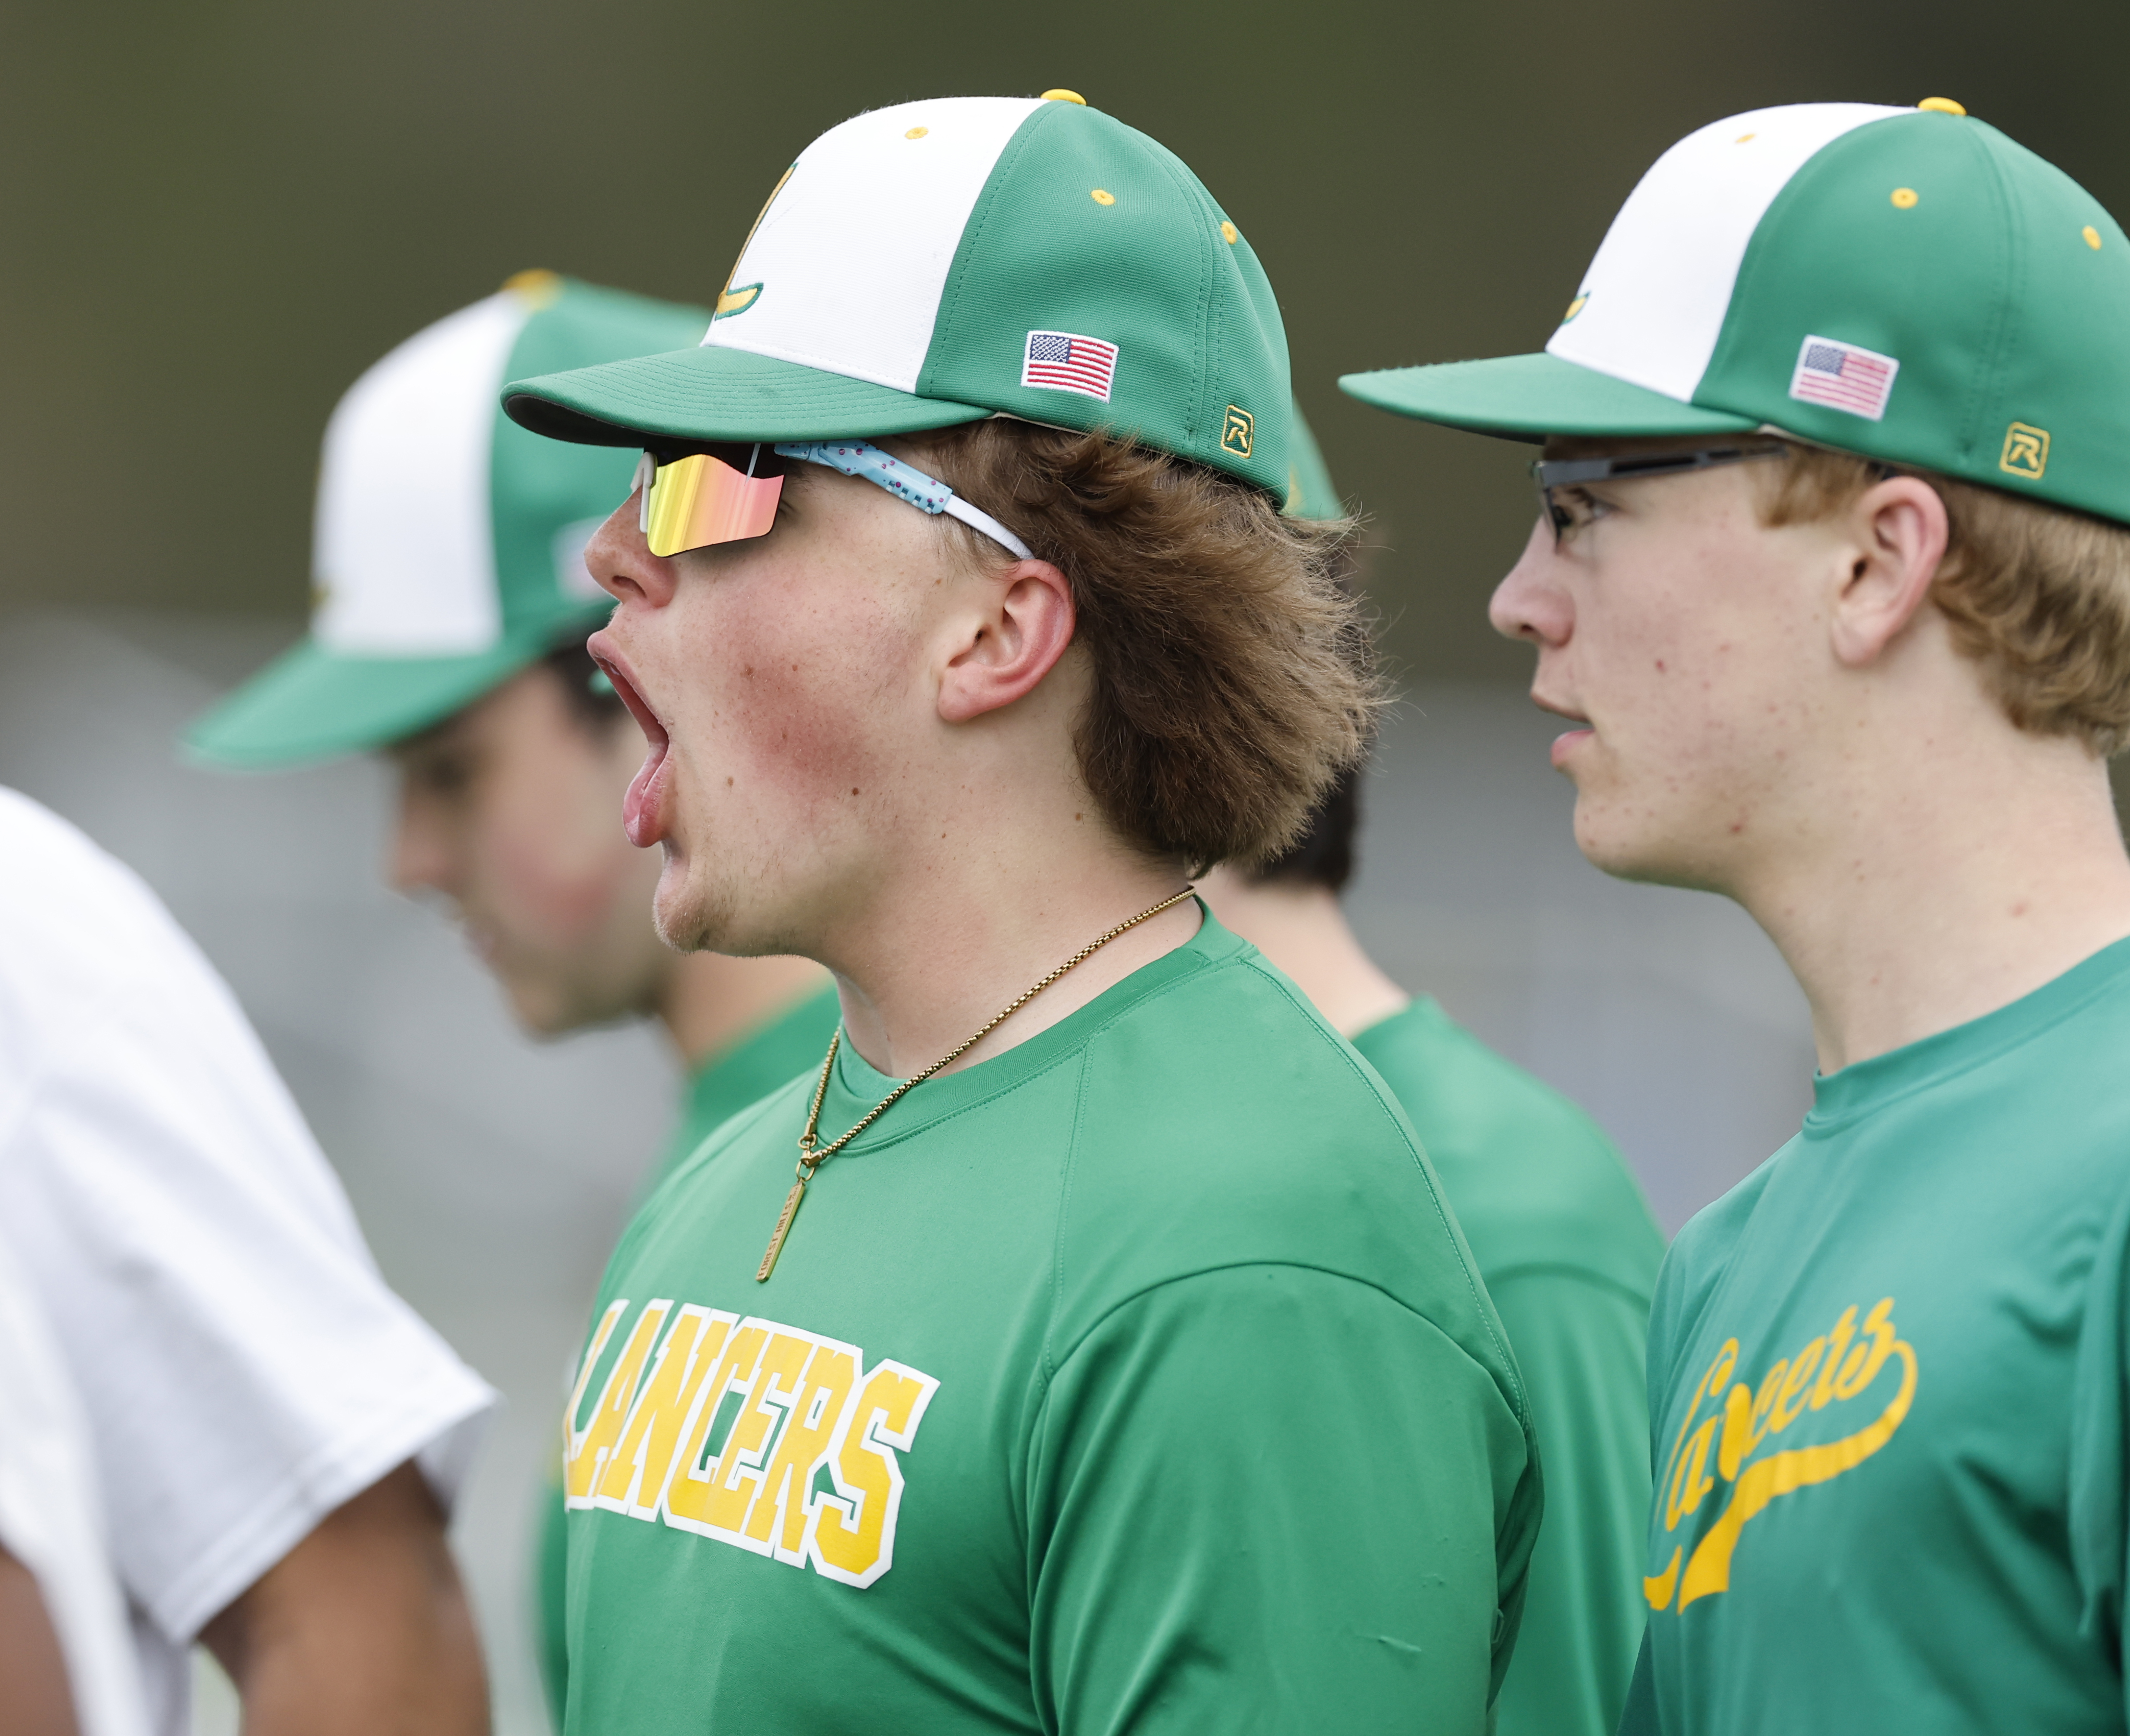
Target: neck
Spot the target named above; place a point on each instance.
(1303, 929)
(939, 951)
(1952, 880)
(709, 1002)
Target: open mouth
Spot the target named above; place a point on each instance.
(642, 810)
(1569, 740)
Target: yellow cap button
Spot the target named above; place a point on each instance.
(1904, 199)
(917, 132)
(1101, 198)
(2092, 237)
(1942, 105)
(538, 285)
(1064, 96)
(1230, 235)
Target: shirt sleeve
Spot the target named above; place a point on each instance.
(2100, 1443)
(1580, 1343)
(1272, 1499)
(49, 1521)
(242, 1365)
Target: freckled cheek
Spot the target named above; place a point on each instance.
(798, 704)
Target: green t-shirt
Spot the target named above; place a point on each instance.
(768, 1056)
(1887, 1380)
(1134, 1380)
(1569, 1253)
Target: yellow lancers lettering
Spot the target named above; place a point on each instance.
(764, 1436)
(1720, 1447)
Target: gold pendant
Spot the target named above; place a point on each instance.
(783, 1229)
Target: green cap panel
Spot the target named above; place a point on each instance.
(2012, 330)
(1201, 368)
(537, 488)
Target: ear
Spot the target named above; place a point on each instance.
(1897, 538)
(619, 558)
(1012, 639)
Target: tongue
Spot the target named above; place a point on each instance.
(641, 810)
(640, 815)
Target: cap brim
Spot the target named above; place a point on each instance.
(711, 393)
(314, 703)
(1531, 397)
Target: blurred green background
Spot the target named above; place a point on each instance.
(215, 214)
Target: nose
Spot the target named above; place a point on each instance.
(1531, 603)
(619, 558)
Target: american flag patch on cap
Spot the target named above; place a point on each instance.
(1843, 377)
(1063, 361)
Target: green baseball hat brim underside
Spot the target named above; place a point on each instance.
(715, 393)
(315, 704)
(1532, 397)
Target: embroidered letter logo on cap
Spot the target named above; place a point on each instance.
(1063, 361)
(1240, 429)
(1844, 377)
(2026, 452)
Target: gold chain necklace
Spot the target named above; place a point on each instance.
(811, 1158)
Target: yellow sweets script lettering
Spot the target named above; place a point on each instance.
(590, 1456)
(1708, 1571)
(779, 1515)
(1837, 1343)
(688, 1486)
(636, 1470)
(853, 1534)
(1689, 1479)
(1711, 1380)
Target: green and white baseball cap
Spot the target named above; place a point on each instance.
(448, 543)
(943, 261)
(1907, 284)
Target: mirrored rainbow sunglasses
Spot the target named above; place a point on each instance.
(697, 500)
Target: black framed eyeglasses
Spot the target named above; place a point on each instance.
(1552, 473)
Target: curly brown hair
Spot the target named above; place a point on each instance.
(1234, 678)
(2039, 596)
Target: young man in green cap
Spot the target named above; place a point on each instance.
(1561, 1236)
(449, 633)
(1113, 1362)
(1833, 580)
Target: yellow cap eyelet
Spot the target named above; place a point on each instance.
(1064, 96)
(1942, 105)
(1904, 199)
(1231, 235)
(2092, 237)
(917, 132)
(1101, 198)
(538, 286)
(1745, 138)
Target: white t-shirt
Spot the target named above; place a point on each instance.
(242, 1366)
(51, 1521)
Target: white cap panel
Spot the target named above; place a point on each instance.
(852, 254)
(1655, 297)
(404, 554)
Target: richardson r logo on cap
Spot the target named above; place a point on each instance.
(1905, 284)
(937, 263)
